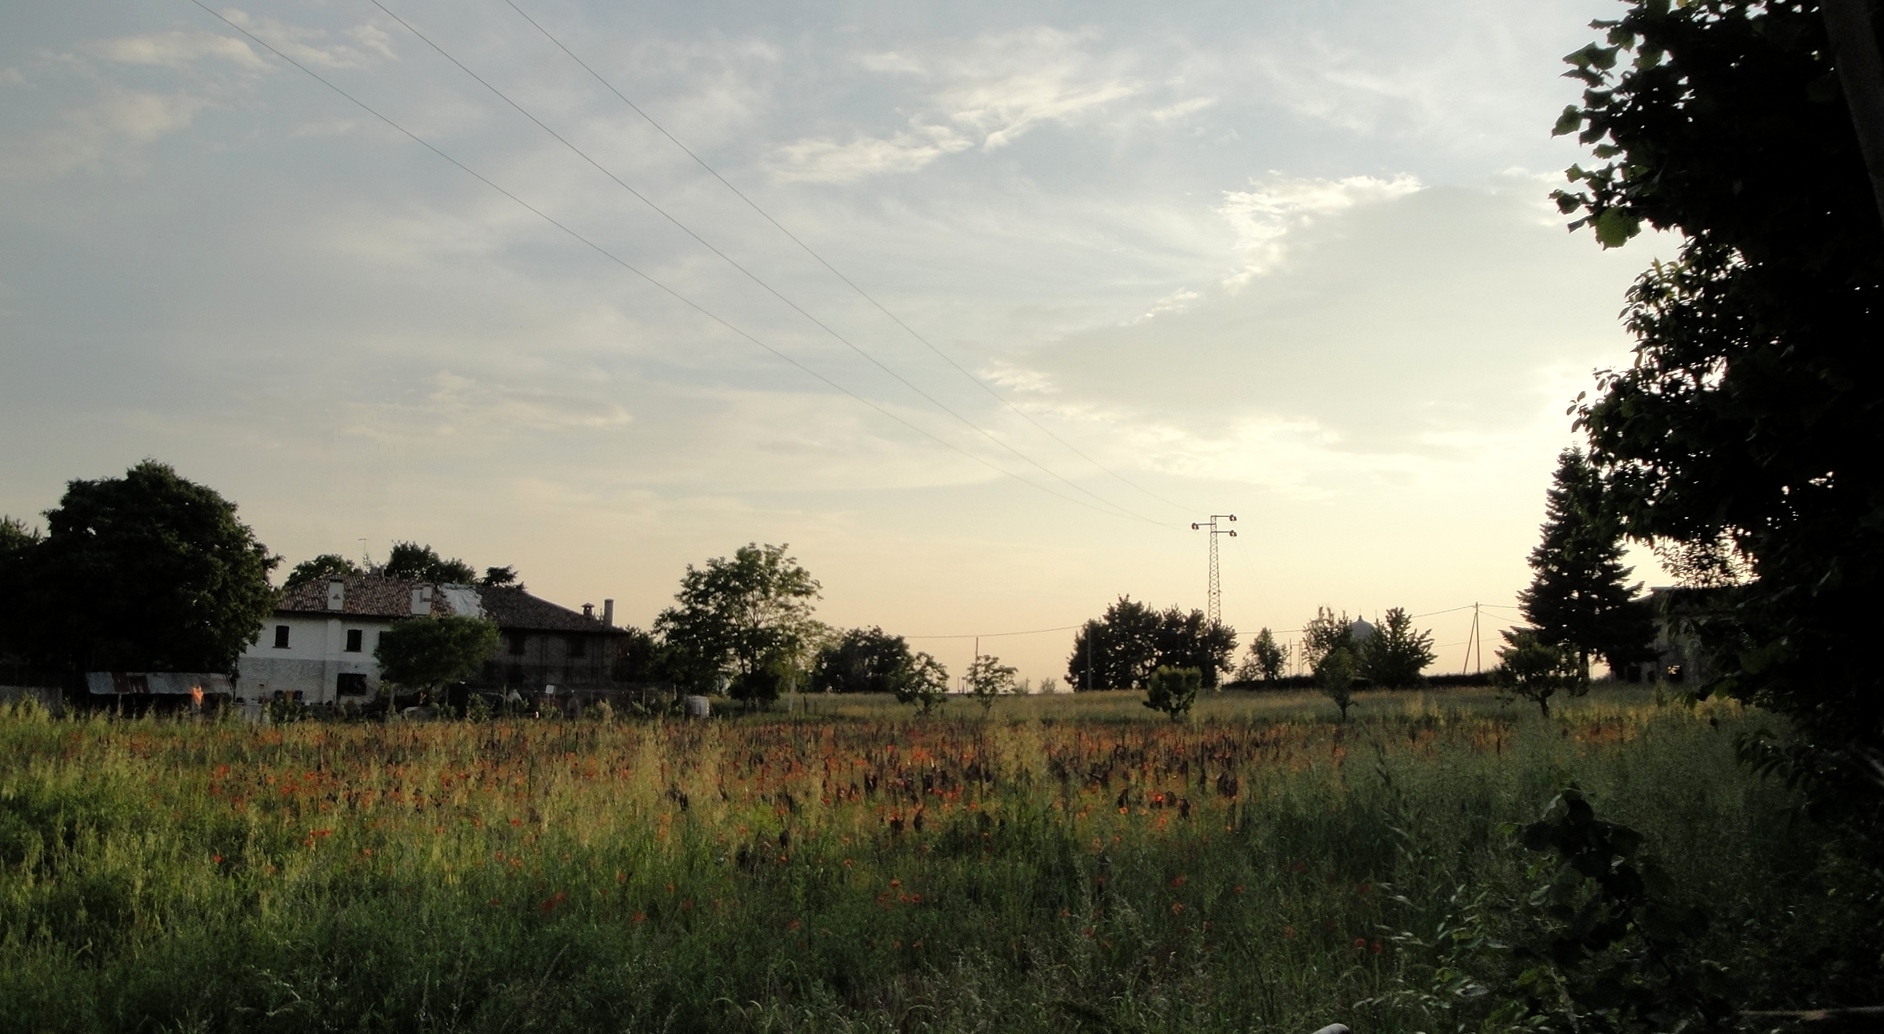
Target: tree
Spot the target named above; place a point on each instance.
(862, 660)
(1124, 646)
(320, 569)
(1325, 634)
(1187, 639)
(637, 657)
(746, 619)
(1395, 655)
(925, 684)
(1173, 690)
(1266, 660)
(418, 563)
(147, 571)
(988, 678)
(429, 653)
(1750, 411)
(1535, 669)
(1334, 676)
(17, 545)
(1579, 596)
(500, 576)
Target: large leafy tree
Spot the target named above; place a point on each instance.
(1580, 596)
(1125, 645)
(1751, 411)
(861, 660)
(1267, 658)
(429, 653)
(147, 571)
(747, 618)
(17, 544)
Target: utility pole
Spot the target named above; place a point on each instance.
(1472, 643)
(1214, 609)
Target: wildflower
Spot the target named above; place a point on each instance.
(1177, 907)
(1177, 881)
(640, 917)
(1289, 932)
(1375, 947)
(1360, 943)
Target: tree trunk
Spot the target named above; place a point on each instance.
(1861, 74)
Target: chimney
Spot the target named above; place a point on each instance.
(588, 611)
(608, 613)
(336, 594)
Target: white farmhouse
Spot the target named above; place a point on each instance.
(318, 647)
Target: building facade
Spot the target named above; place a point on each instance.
(318, 647)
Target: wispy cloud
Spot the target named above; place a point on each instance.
(108, 133)
(175, 50)
(1264, 215)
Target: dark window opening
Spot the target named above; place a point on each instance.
(517, 643)
(356, 638)
(281, 637)
(578, 646)
(352, 684)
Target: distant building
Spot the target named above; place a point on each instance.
(318, 647)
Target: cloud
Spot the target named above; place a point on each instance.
(986, 93)
(175, 50)
(112, 131)
(825, 161)
(1263, 216)
(309, 46)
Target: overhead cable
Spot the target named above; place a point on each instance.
(821, 260)
(754, 277)
(612, 257)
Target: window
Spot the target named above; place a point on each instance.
(281, 637)
(356, 637)
(517, 642)
(578, 646)
(352, 684)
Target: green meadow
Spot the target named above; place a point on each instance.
(1055, 864)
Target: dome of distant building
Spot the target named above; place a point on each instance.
(1361, 631)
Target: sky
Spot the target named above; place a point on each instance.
(976, 306)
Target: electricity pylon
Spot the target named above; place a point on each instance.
(1214, 608)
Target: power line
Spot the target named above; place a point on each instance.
(612, 257)
(750, 275)
(821, 260)
(996, 635)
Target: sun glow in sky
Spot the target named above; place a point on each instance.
(1145, 263)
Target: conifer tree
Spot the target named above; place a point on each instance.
(1579, 597)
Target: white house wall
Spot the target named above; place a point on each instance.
(313, 661)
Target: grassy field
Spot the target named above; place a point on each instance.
(1062, 864)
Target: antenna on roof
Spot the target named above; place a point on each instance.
(366, 559)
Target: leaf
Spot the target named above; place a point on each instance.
(1569, 121)
(1614, 227)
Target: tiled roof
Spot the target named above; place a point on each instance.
(513, 608)
(367, 595)
(375, 596)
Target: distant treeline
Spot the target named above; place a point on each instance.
(1291, 682)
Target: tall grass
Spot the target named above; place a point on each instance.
(1055, 867)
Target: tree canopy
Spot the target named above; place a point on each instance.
(747, 619)
(421, 563)
(1580, 596)
(320, 569)
(861, 660)
(1122, 648)
(426, 653)
(146, 571)
(1267, 659)
(1395, 655)
(1750, 413)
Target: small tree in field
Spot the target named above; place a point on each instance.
(1335, 677)
(988, 678)
(428, 653)
(1535, 670)
(1173, 690)
(1326, 634)
(1266, 660)
(1396, 654)
(924, 683)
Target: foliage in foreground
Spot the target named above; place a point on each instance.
(868, 875)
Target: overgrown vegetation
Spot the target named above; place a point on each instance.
(1260, 868)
